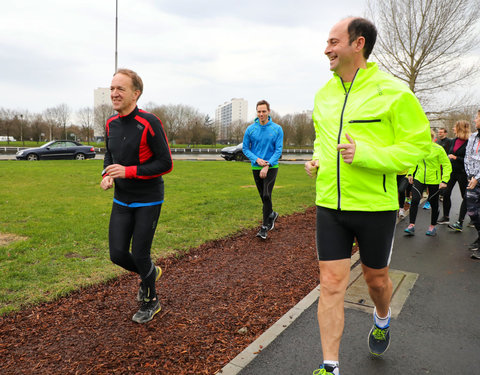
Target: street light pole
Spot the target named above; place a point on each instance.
(116, 34)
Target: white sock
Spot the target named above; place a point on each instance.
(381, 322)
(334, 365)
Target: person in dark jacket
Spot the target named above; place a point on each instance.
(443, 140)
(137, 156)
(456, 154)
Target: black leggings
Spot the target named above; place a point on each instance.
(136, 225)
(417, 191)
(404, 189)
(265, 188)
(461, 178)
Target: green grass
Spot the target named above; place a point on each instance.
(62, 214)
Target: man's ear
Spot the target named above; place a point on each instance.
(360, 43)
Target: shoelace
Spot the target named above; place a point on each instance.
(379, 333)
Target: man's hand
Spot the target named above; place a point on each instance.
(261, 162)
(264, 171)
(472, 183)
(452, 157)
(107, 183)
(347, 149)
(116, 171)
(442, 185)
(410, 180)
(311, 167)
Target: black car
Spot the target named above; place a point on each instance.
(55, 150)
(233, 153)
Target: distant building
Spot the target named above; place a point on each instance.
(228, 113)
(101, 98)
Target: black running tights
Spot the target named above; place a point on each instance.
(417, 191)
(265, 188)
(135, 225)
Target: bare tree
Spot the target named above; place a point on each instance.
(85, 116)
(101, 114)
(425, 42)
(57, 117)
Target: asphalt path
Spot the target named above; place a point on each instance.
(437, 332)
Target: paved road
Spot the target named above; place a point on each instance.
(437, 331)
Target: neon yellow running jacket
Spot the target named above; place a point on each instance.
(428, 170)
(391, 133)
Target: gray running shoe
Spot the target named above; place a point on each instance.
(457, 226)
(273, 218)
(378, 340)
(476, 254)
(147, 311)
(262, 233)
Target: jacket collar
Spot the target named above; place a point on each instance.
(269, 122)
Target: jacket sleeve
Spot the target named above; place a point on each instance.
(160, 162)
(472, 159)
(446, 165)
(412, 139)
(278, 147)
(246, 147)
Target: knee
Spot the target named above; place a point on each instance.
(378, 282)
(117, 257)
(332, 283)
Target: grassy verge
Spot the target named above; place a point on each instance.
(61, 213)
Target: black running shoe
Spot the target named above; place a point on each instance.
(476, 254)
(273, 218)
(378, 340)
(443, 220)
(474, 245)
(262, 233)
(142, 292)
(147, 311)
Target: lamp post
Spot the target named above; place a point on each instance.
(116, 34)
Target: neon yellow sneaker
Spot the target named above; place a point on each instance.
(323, 371)
(378, 340)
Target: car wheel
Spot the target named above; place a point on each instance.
(239, 156)
(32, 157)
(80, 156)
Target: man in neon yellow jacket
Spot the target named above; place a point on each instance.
(369, 127)
(432, 172)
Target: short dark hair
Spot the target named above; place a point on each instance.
(136, 80)
(263, 102)
(363, 27)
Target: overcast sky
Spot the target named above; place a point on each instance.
(195, 52)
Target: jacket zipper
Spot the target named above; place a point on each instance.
(339, 195)
(363, 121)
(384, 183)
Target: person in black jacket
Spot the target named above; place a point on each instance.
(456, 154)
(137, 156)
(443, 140)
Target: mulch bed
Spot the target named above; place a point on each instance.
(208, 296)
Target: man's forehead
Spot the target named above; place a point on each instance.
(340, 29)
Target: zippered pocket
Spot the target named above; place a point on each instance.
(385, 183)
(364, 121)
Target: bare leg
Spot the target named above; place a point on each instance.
(334, 276)
(380, 288)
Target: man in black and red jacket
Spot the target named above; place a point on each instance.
(136, 158)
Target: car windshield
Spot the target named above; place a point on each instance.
(47, 144)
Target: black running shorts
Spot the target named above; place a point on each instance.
(374, 231)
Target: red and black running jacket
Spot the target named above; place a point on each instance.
(138, 142)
